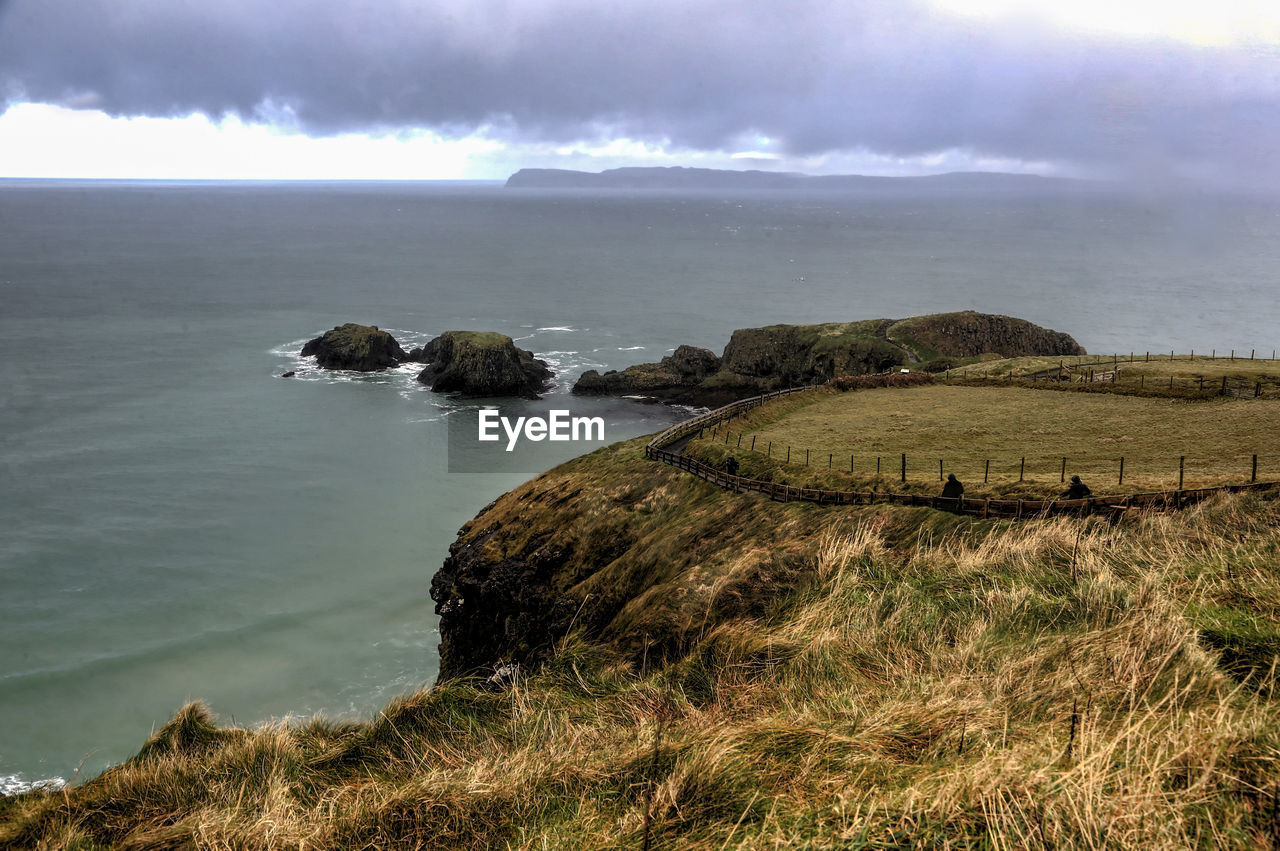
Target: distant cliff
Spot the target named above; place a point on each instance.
(677, 177)
(762, 359)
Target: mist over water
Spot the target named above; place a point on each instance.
(178, 522)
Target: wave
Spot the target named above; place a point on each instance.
(13, 784)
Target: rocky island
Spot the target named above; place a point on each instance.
(362, 348)
(482, 363)
(757, 360)
(471, 363)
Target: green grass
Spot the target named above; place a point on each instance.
(479, 339)
(966, 426)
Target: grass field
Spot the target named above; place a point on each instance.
(967, 426)
(1189, 372)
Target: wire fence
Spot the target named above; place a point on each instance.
(1242, 466)
(1140, 373)
(667, 447)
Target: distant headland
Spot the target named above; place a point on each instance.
(678, 177)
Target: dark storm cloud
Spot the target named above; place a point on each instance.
(813, 76)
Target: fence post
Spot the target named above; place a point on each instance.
(1063, 477)
(1233, 355)
(1224, 383)
(1202, 383)
(1181, 461)
(806, 457)
(986, 471)
(1171, 383)
(1147, 358)
(770, 454)
(1253, 477)
(1142, 381)
(1251, 351)
(1022, 469)
(939, 469)
(1121, 481)
(788, 454)
(739, 440)
(829, 457)
(877, 466)
(904, 466)
(850, 463)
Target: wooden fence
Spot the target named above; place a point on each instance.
(657, 450)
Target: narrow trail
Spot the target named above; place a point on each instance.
(911, 356)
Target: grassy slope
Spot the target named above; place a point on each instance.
(965, 426)
(917, 680)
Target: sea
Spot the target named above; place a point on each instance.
(178, 522)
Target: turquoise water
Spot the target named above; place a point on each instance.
(178, 522)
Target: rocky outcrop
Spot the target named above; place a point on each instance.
(684, 370)
(481, 363)
(363, 348)
(757, 360)
(606, 547)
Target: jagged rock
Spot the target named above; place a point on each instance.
(482, 363)
(363, 348)
(688, 366)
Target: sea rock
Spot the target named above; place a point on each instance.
(363, 348)
(482, 363)
(687, 367)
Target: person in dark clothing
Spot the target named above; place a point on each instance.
(953, 489)
(731, 466)
(1078, 489)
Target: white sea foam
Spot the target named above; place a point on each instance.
(13, 784)
(630, 348)
(557, 328)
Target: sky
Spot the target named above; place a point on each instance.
(1168, 91)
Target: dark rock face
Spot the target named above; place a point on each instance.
(481, 364)
(969, 333)
(492, 610)
(362, 348)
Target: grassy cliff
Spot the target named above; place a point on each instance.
(757, 360)
(735, 673)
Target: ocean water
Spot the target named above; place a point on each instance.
(177, 522)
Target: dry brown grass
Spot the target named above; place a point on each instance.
(958, 688)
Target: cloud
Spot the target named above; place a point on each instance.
(813, 77)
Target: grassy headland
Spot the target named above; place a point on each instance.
(737, 673)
